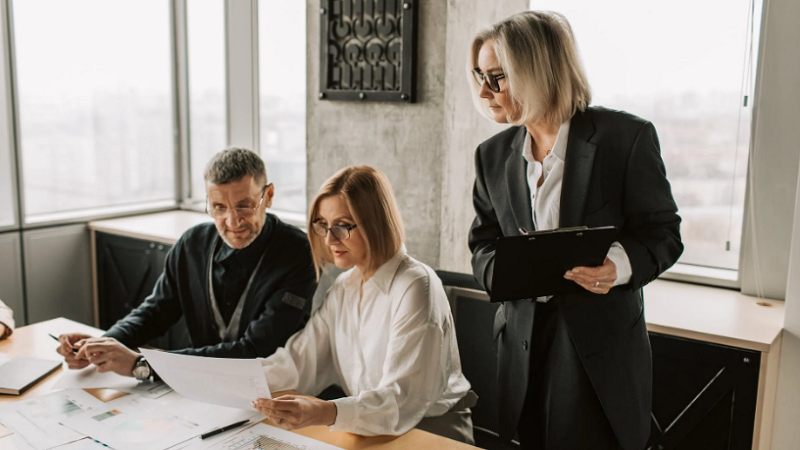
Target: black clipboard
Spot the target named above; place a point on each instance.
(534, 264)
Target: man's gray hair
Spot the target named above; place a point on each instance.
(233, 164)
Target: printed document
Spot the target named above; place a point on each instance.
(226, 382)
(37, 420)
(263, 436)
(135, 423)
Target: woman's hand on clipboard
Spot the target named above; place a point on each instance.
(598, 280)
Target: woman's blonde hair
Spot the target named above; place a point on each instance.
(544, 74)
(369, 197)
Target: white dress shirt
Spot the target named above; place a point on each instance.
(393, 351)
(546, 199)
(6, 318)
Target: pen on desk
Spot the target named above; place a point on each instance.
(223, 429)
(74, 350)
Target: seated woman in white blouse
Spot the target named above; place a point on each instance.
(384, 332)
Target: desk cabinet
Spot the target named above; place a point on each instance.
(704, 395)
(127, 270)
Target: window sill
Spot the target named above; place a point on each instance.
(708, 276)
(709, 314)
(86, 215)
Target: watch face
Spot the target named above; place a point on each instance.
(141, 371)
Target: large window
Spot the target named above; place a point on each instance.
(282, 91)
(94, 84)
(687, 66)
(205, 22)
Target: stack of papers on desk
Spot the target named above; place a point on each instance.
(263, 436)
(36, 421)
(209, 393)
(135, 423)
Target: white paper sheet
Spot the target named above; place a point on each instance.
(84, 444)
(90, 378)
(266, 436)
(148, 389)
(225, 382)
(203, 444)
(135, 423)
(36, 420)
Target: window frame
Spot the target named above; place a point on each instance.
(9, 121)
(24, 222)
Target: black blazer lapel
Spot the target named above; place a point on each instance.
(577, 170)
(519, 192)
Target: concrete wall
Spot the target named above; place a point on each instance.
(465, 128)
(424, 148)
(402, 140)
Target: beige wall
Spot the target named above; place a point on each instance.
(425, 148)
(783, 34)
(773, 169)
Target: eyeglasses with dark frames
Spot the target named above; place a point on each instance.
(490, 79)
(244, 212)
(341, 232)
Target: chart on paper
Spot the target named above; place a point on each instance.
(265, 437)
(260, 443)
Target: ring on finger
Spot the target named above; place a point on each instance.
(596, 284)
(279, 421)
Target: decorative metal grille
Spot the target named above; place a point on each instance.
(367, 50)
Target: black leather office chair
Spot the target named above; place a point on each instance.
(474, 317)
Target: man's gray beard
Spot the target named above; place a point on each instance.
(225, 240)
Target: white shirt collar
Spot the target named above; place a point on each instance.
(385, 274)
(559, 147)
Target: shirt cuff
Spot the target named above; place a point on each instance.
(346, 414)
(8, 331)
(619, 257)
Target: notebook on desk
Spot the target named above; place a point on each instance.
(19, 374)
(534, 264)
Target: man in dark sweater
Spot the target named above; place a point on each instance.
(244, 283)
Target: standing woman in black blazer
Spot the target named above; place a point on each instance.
(574, 370)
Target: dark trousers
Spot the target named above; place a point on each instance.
(561, 410)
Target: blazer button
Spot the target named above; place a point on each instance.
(524, 345)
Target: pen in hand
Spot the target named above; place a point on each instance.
(223, 429)
(74, 350)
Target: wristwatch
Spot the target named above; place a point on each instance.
(141, 369)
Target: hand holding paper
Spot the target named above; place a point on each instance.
(225, 382)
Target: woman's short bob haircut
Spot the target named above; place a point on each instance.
(369, 197)
(544, 74)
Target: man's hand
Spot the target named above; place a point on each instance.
(67, 343)
(108, 355)
(293, 411)
(598, 280)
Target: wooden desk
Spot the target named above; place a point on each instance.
(33, 341)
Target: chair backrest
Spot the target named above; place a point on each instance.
(474, 318)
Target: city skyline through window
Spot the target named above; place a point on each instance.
(95, 103)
